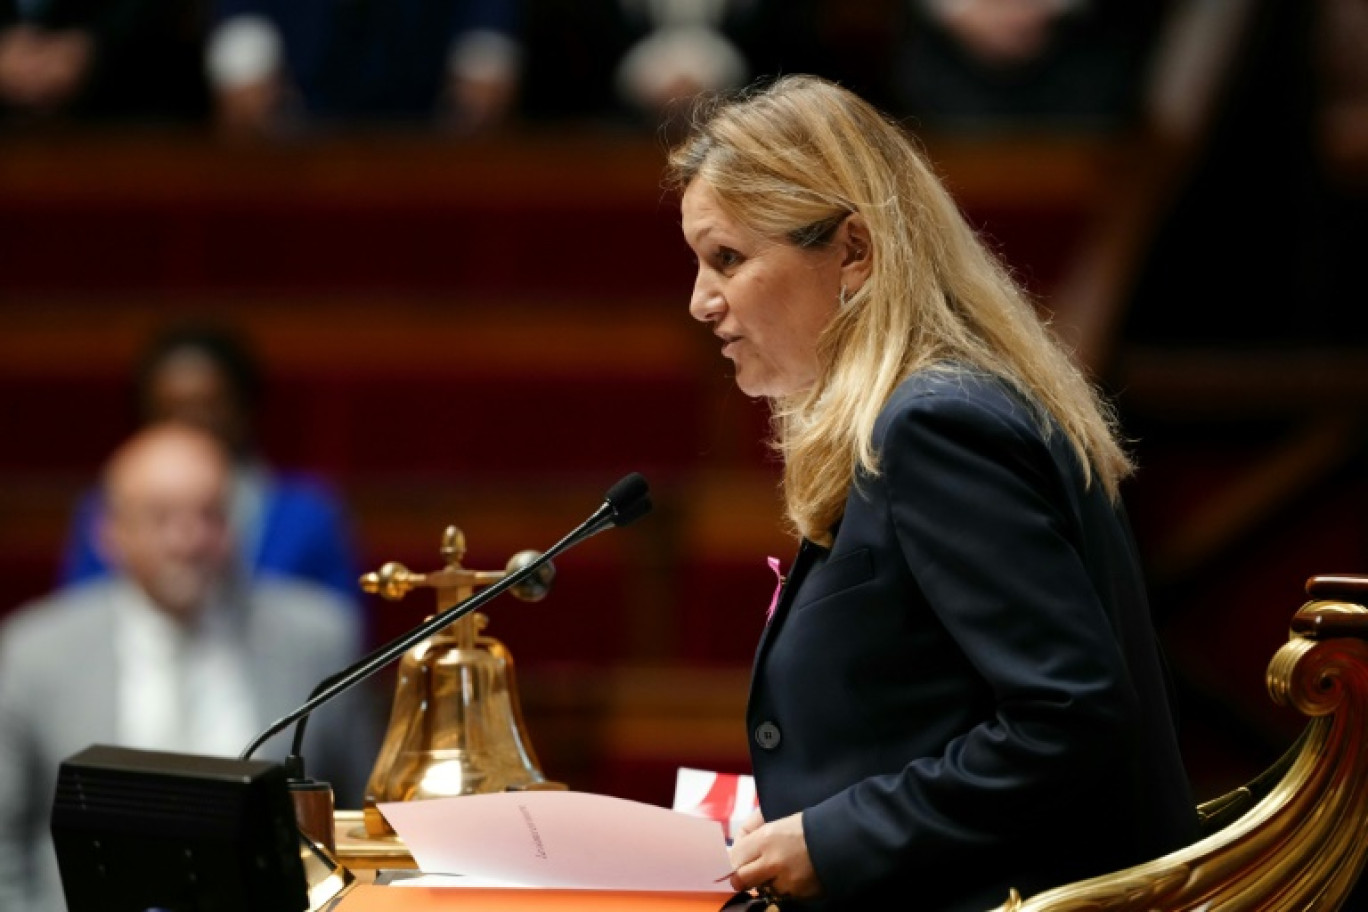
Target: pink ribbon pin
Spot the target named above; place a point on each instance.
(778, 587)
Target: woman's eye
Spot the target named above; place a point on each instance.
(727, 258)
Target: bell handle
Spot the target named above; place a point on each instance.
(392, 581)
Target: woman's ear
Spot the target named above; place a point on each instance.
(857, 251)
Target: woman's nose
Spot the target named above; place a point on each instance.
(706, 304)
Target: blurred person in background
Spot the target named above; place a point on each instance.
(173, 651)
(952, 64)
(1058, 63)
(685, 49)
(971, 64)
(102, 59)
(279, 64)
(283, 525)
(628, 61)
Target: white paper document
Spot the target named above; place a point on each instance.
(563, 840)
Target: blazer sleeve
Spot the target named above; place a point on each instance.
(980, 510)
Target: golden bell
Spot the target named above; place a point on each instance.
(455, 727)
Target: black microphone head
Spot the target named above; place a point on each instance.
(629, 499)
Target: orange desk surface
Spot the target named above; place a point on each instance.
(371, 898)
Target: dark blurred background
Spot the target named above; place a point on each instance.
(441, 228)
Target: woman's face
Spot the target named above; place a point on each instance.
(767, 300)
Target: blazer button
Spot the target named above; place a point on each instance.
(767, 735)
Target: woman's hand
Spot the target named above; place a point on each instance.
(774, 855)
(752, 823)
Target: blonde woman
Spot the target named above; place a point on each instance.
(959, 690)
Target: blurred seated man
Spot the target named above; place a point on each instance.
(175, 652)
(283, 525)
(277, 63)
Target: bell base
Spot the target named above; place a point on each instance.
(377, 827)
(360, 851)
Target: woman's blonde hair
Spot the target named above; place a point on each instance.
(791, 159)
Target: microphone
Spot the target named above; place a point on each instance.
(625, 503)
(628, 500)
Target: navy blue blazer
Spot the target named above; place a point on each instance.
(965, 693)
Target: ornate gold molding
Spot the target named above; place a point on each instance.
(1303, 843)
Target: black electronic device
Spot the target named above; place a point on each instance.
(151, 831)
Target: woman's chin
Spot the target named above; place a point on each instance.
(766, 387)
(753, 389)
